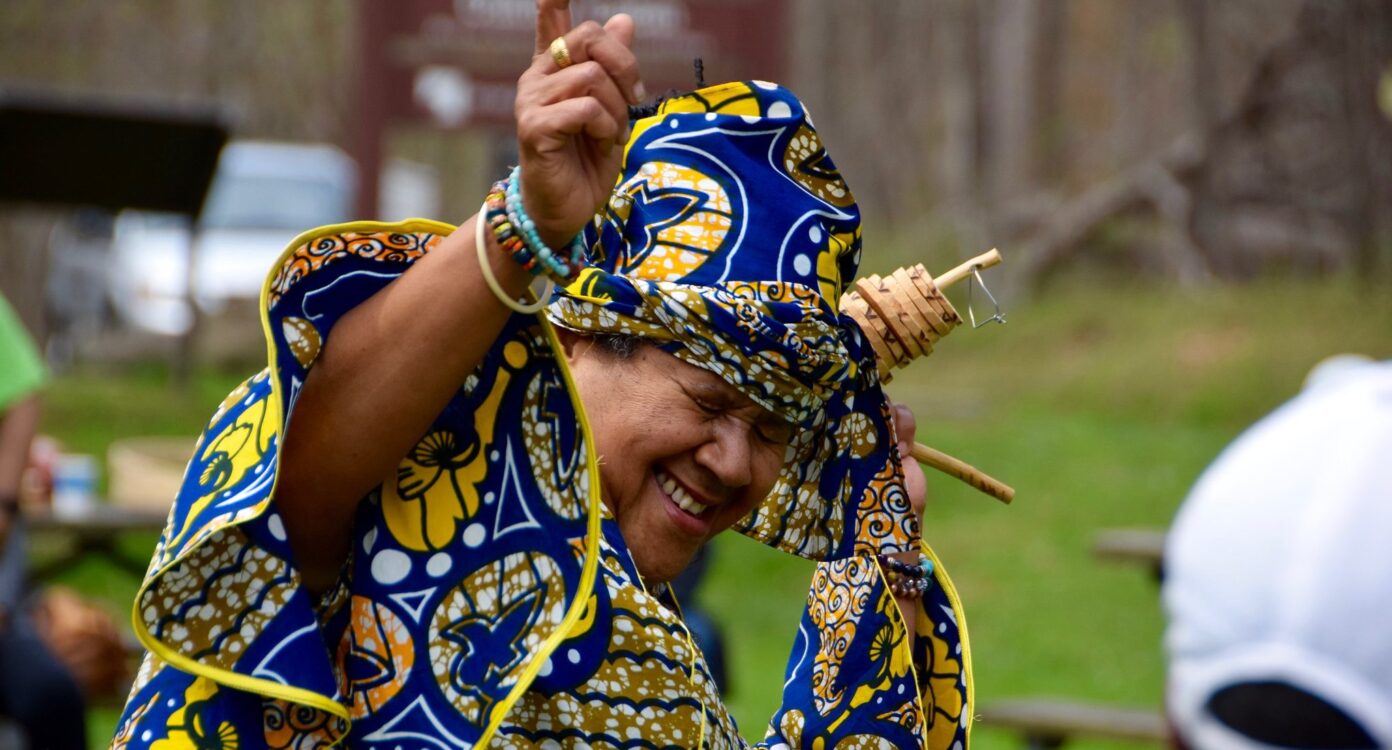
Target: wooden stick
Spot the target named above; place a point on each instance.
(984, 260)
(964, 471)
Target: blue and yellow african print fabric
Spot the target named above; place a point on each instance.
(729, 240)
(488, 598)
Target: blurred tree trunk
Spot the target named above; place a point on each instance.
(1022, 88)
(957, 38)
(1299, 175)
(1051, 125)
(1204, 114)
(1020, 159)
(865, 72)
(1128, 122)
(1368, 39)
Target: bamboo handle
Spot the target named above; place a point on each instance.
(984, 260)
(964, 471)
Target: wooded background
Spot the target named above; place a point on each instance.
(1192, 141)
(1181, 148)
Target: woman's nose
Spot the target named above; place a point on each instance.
(728, 452)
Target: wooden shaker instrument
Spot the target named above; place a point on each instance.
(903, 316)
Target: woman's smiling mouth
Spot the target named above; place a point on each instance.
(678, 493)
(692, 518)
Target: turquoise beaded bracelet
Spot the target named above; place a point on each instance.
(540, 258)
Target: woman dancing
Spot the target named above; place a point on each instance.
(443, 515)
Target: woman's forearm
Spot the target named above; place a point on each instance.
(395, 360)
(387, 369)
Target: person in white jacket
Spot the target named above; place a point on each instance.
(1279, 576)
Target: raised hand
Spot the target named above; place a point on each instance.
(572, 120)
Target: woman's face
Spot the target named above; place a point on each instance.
(682, 453)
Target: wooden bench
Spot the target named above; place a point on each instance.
(93, 531)
(1047, 723)
(1143, 547)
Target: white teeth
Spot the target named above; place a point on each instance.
(679, 494)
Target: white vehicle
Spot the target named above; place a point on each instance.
(263, 194)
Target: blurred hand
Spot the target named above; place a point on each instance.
(915, 483)
(84, 638)
(572, 123)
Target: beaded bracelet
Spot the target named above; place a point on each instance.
(923, 569)
(905, 579)
(481, 247)
(913, 588)
(517, 233)
(504, 230)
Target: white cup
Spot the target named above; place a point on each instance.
(74, 483)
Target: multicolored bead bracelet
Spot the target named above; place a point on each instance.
(906, 580)
(516, 232)
(485, 267)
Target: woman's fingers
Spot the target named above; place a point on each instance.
(915, 483)
(572, 110)
(590, 41)
(584, 79)
(553, 20)
(905, 425)
(602, 67)
(620, 26)
(621, 29)
(546, 128)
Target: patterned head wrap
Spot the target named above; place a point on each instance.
(728, 242)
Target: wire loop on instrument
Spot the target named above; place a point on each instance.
(997, 316)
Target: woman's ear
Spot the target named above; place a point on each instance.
(573, 344)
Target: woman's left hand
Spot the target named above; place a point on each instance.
(915, 483)
(916, 487)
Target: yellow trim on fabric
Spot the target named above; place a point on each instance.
(240, 681)
(588, 572)
(898, 617)
(939, 573)
(950, 589)
(222, 676)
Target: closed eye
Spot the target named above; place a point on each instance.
(710, 409)
(775, 432)
(771, 430)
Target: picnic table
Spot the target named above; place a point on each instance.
(96, 530)
(1144, 547)
(1047, 722)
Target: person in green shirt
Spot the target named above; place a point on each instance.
(36, 691)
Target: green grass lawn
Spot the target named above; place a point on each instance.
(1099, 403)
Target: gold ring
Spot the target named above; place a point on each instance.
(560, 52)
